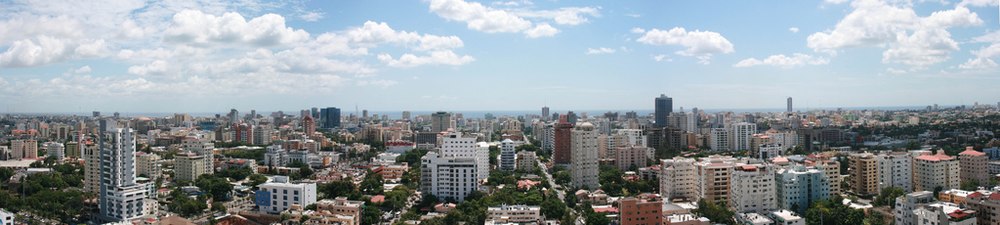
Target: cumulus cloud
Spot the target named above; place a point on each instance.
(983, 58)
(978, 3)
(783, 61)
(311, 16)
(478, 17)
(434, 58)
(198, 28)
(793, 29)
(373, 33)
(662, 58)
(906, 38)
(83, 69)
(598, 51)
(699, 44)
(157, 67)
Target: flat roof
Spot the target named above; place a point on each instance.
(24, 163)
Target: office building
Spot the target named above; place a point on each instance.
(753, 189)
(545, 113)
(678, 179)
(448, 177)
(55, 149)
(972, 165)
(279, 194)
(663, 107)
(584, 161)
(646, 209)
(789, 109)
(936, 171)
(120, 197)
(562, 151)
(895, 170)
(441, 122)
(329, 117)
(508, 155)
(454, 145)
(514, 214)
(864, 174)
(798, 187)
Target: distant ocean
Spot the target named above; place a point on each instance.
(482, 113)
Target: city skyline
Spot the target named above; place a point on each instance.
(451, 54)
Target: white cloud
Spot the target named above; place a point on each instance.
(598, 51)
(377, 83)
(541, 30)
(907, 38)
(375, 33)
(83, 69)
(699, 44)
(29, 52)
(311, 16)
(836, 2)
(979, 3)
(434, 58)
(793, 29)
(157, 67)
(783, 61)
(531, 22)
(662, 58)
(983, 58)
(198, 28)
(992, 37)
(637, 30)
(633, 15)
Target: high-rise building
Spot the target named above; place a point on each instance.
(24, 149)
(545, 113)
(188, 166)
(741, 135)
(719, 139)
(448, 177)
(895, 169)
(441, 122)
(120, 197)
(584, 159)
(308, 125)
(678, 179)
(148, 165)
(527, 161)
(789, 109)
(832, 170)
(91, 167)
(454, 145)
(406, 115)
(752, 189)
(973, 166)
(664, 106)
(903, 212)
(204, 148)
(798, 187)
(329, 117)
(934, 171)
(864, 173)
(548, 137)
(562, 143)
(508, 155)
(279, 194)
(647, 209)
(55, 149)
(714, 176)
(631, 157)
(234, 116)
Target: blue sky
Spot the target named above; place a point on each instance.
(208, 56)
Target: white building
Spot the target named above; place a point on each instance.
(120, 197)
(584, 159)
(448, 177)
(55, 149)
(454, 145)
(515, 214)
(753, 189)
(508, 155)
(719, 139)
(903, 213)
(275, 156)
(741, 136)
(202, 147)
(279, 194)
(895, 170)
(785, 217)
(677, 179)
(798, 187)
(753, 219)
(938, 170)
(6, 218)
(944, 213)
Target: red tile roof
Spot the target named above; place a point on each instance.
(970, 151)
(936, 157)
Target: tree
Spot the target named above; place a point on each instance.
(372, 184)
(218, 187)
(714, 212)
(552, 208)
(257, 179)
(875, 218)
(370, 214)
(887, 197)
(342, 188)
(832, 212)
(237, 174)
(969, 185)
(5, 173)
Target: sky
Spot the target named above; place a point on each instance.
(382, 55)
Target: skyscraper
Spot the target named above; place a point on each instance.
(584, 156)
(121, 198)
(545, 113)
(789, 105)
(561, 141)
(664, 105)
(329, 117)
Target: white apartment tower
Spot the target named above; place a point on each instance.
(455, 145)
(895, 170)
(448, 177)
(121, 198)
(753, 189)
(584, 156)
(720, 139)
(677, 179)
(508, 155)
(741, 135)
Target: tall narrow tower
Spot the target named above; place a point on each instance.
(121, 198)
(664, 105)
(789, 105)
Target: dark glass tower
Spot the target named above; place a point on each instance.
(664, 106)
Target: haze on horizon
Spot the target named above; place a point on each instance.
(455, 55)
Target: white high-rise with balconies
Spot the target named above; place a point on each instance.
(448, 177)
(741, 136)
(753, 189)
(677, 179)
(121, 198)
(508, 155)
(895, 170)
(584, 160)
(454, 145)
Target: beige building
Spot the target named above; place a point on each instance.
(973, 166)
(864, 173)
(188, 166)
(91, 168)
(933, 171)
(678, 179)
(527, 161)
(753, 189)
(336, 211)
(148, 165)
(714, 175)
(626, 157)
(832, 170)
(987, 205)
(24, 149)
(516, 214)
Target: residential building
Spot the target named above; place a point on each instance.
(798, 187)
(741, 135)
(448, 177)
(646, 209)
(903, 212)
(832, 170)
(864, 174)
(24, 149)
(786, 217)
(279, 194)
(203, 147)
(336, 211)
(753, 219)
(972, 165)
(562, 143)
(714, 175)
(514, 214)
(987, 204)
(527, 161)
(678, 179)
(895, 170)
(720, 139)
(91, 167)
(55, 149)
(454, 145)
(120, 197)
(188, 166)
(508, 155)
(943, 213)
(628, 157)
(584, 161)
(148, 165)
(753, 188)
(934, 171)
(6, 218)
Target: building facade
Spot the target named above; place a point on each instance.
(798, 187)
(972, 165)
(448, 177)
(937, 170)
(678, 179)
(279, 194)
(584, 163)
(864, 173)
(753, 189)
